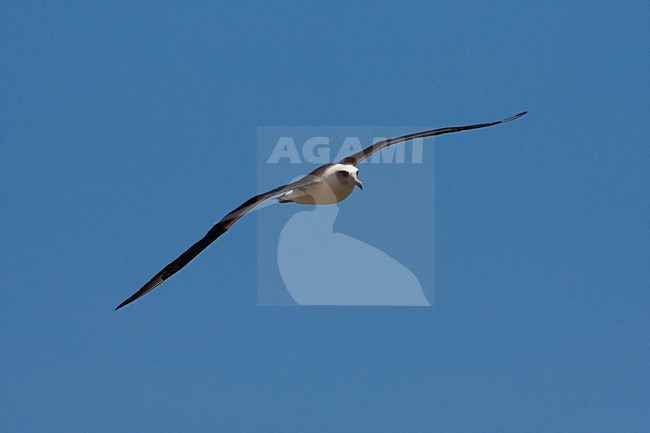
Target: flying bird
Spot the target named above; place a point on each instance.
(328, 184)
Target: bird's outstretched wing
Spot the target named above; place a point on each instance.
(217, 230)
(365, 153)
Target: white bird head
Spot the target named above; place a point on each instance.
(348, 175)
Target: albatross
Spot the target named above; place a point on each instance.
(328, 184)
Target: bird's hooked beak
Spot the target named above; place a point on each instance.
(356, 180)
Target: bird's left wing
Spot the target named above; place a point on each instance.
(217, 230)
(365, 153)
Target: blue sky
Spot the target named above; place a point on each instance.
(128, 128)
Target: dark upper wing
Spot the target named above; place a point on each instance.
(365, 153)
(217, 230)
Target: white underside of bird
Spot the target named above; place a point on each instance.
(337, 183)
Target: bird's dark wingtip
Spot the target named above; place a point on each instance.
(124, 303)
(152, 284)
(516, 116)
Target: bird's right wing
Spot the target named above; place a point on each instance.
(217, 230)
(365, 153)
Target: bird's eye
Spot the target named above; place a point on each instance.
(344, 173)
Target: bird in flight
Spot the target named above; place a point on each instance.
(328, 184)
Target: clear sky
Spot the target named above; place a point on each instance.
(128, 128)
